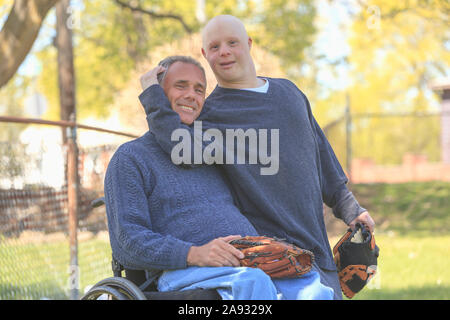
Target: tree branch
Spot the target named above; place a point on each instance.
(154, 14)
(19, 33)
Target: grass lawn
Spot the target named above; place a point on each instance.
(37, 271)
(412, 232)
(412, 267)
(408, 208)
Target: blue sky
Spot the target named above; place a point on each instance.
(331, 40)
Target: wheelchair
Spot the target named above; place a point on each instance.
(129, 284)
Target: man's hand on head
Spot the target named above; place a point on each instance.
(151, 77)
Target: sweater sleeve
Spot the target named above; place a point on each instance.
(334, 181)
(134, 244)
(161, 119)
(168, 130)
(344, 205)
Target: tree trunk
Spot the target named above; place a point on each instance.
(66, 81)
(19, 33)
(66, 73)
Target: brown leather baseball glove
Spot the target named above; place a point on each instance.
(356, 255)
(275, 257)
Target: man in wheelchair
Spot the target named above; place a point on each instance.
(173, 222)
(163, 217)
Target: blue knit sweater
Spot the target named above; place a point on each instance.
(288, 204)
(157, 211)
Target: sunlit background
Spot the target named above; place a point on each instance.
(376, 72)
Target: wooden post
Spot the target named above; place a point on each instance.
(73, 197)
(442, 87)
(66, 81)
(66, 72)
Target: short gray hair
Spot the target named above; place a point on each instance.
(168, 61)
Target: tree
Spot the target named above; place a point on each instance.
(116, 36)
(12, 151)
(397, 48)
(126, 104)
(66, 72)
(19, 33)
(285, 28)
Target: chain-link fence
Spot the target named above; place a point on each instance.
(390, 147)
(35, 255)
(381, 149)
(35, 237)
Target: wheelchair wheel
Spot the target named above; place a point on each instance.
(115, 288)
(109, 292)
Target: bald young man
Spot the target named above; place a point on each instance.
(286, 199)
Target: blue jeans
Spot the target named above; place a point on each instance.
(307, 287)
(245, 284)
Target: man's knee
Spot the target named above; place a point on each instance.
(255, 276)
(258, 282)
(255, 273)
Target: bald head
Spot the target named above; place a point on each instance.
(223, 22)
(226, 47)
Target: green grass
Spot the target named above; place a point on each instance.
(36, 271)
(412, 233)
(95, 262)
(410, 268)
(408, 208)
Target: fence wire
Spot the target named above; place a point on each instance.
(34, 244)
(392, 148)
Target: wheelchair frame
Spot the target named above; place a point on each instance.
(135, 286)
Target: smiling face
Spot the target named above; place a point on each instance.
(185, 86)
(226, 47)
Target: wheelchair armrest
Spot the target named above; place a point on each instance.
(98, 202)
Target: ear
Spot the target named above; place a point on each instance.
(250, 41)
(204, 53)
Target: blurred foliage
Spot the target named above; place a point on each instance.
(126, 104)
(12, 98)
(397, 49)
(407, 208)
(285, 28)
(387, 139)
(394, 58)
(110, 41)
